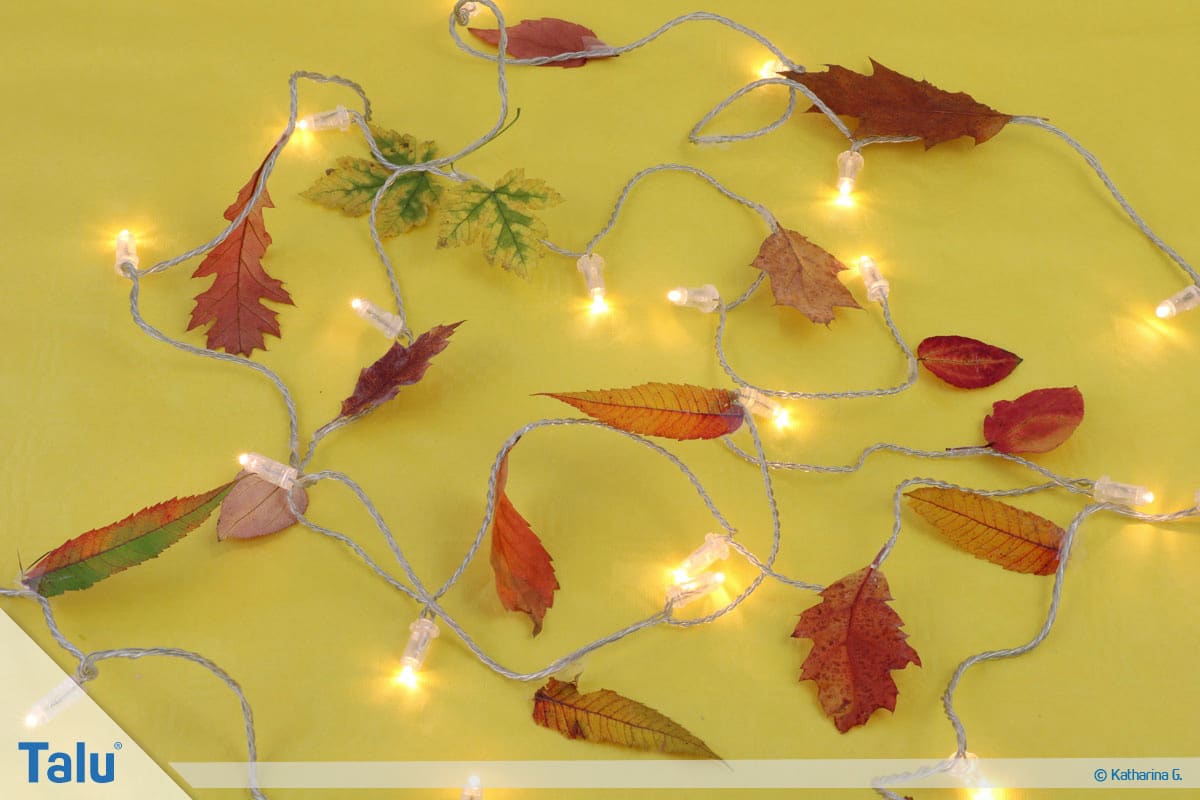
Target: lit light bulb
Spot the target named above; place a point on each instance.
(465, 12)
(1106, 490)
(681, 594)
(599, 304)
(591, 266)
(1183, 300)
(762, 405)
(126, 252)
(714, 549)
(270, 471)
(422, 631)
(771, 68)
(473, 790)
(878, 287)
(61, 697)
(703, 298)
(849, 164)
(326, 120)
(389, 324)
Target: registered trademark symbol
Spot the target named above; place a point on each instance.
(117, 745)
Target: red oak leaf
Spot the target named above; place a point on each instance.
(524, 575)
(857, 642)
(536, 38)
(233, 304)
(399, 366)
(966, 363)
(1036, 422)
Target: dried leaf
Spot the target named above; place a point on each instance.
(536, 38)
(255, 507)
(399, 366)
(352, 184)
(501, 219)
(1036, 422)
(524, 575)
(857, 642)
(97, 554)
(233, 304)
(989, 529)
(607, 717)
(803, 275)
(887, 103)
(966, 363)
(673, 410)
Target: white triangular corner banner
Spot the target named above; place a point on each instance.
(41, 762)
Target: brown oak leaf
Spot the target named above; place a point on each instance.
(887, 103)
(399, 366)
(803, 275)
(1036, 422)
(535, 38)
(524, 575)
(255, 507)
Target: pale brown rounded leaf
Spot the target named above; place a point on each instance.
(255, 507)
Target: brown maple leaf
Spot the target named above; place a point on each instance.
(524, 575)
(887, 103)
(803, 275)
(233, 304)
(399, 366)
(857, 642)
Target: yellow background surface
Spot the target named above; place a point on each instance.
(150, 116)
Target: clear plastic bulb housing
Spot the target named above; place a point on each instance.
(1107, 490)
(389, 324)
(1183, 300)
(60, 698)
(714, 549)
(878, 287)
(126, 252)
(849, 165)
(422, 631)
(704, 298)
(269, 470)
(681, 594)
(326, 120)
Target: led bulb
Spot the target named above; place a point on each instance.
(126, 252)
(463, 16)
(703, 298)
(60, 698)
(472, 791)
(1107, 490)
(762, 405)
(878, 287)
(270, 471)
(1184, 300)
(849, 164)
(326, 120)
(389, 324)
(685, 592)
(772, 68)
(591, 266)
(422, 631)
(714, 549)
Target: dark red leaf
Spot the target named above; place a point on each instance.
(524, 575)
(1036, 422)
(536, 38)
(966, 363)
(399, 366)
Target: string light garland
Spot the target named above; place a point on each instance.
(692, 579)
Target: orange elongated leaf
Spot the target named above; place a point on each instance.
(524, 575)
(255, 507)
(399, 366)
(607, 717)
(93, 556)
(857, 642)
(966, 363)
(534, 38)
(1036, 422)
(674, 410)
(986, 528)
(887, 103)
(803, 275)
(233, 304)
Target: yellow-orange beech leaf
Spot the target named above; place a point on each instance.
(673, 410)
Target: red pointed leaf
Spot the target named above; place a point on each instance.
(966, 363)
(233, 304)
(524, 575)
(674, 410)
(255, 507)
(399, 366)
(857, 642)
(535, 38)
(1036, 422)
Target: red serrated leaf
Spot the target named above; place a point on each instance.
(399, 366)
(1036, 422)
(888, 103)
(857, 642)
(674, 410)
(966, 363)
(524, 575)
(803, 275)
(233, 304)
(537, 38)
(255, 507)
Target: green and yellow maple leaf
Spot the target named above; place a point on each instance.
(500, 218)
(351, 185)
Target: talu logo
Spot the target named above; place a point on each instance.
(60, 767)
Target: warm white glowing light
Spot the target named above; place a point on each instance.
(1106, 490)
(32, 720)
(591, 266)
(781, 418)
(681, 594)
(389, 324)
(849, 165)
(356, 304)
(714, 549)
(878, 287)
(302, 124)
(702, 298)
(244, 459)
(126, 252)
(1183, 300)
(422, 631)
(771, 68)
(681, 576)
(60, 698)
(326, 120)
(269, 470)
(599, 304)
(473, 790)
(676, 296)
(407, 676)
(763, 405)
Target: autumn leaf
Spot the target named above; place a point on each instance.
(966, 363)
(351, 185)
(1036, 422)
(535, 38)
(887, 103)
(500, 219)
(989, 529)
(399, 366)
(857, 642)
(233, 306)
(606, 717)
(524, 575)
(97, 554)
(674, 410)
(803, 275)
(255, 507)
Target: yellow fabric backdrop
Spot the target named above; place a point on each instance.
(150, 116)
